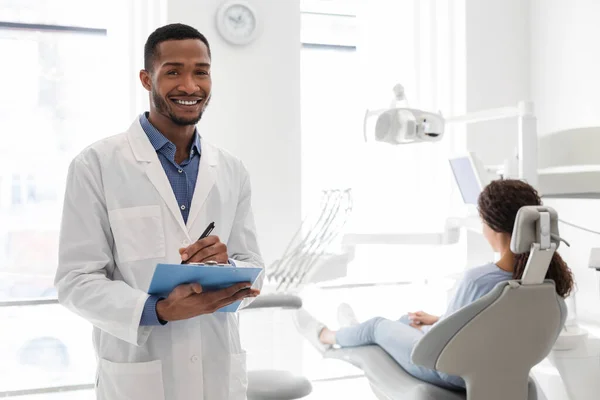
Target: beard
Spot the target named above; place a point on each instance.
(164, 108)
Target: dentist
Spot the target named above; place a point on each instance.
(143, 197)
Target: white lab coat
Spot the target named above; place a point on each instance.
(120, 219)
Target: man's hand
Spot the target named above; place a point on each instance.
(208, 249)
(420, 318)
(189, 300)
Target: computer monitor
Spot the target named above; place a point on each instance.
(467, 178)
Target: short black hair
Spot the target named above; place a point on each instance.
(169, 32)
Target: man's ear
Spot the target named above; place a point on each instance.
(146, 80)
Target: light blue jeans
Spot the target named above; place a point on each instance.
(398, 339)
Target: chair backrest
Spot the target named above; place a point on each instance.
(494, 342)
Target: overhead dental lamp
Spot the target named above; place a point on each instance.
(404, 125)
(408, 125)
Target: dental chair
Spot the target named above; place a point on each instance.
(492, 343)
(273, 384)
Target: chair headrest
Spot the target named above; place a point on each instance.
(527, 230)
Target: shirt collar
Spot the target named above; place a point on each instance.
(158, 140)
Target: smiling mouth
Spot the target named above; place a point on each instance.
(186, 103)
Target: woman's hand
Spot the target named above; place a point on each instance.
(421, 318)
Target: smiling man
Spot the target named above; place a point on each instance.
(177, 75)
(144, 197)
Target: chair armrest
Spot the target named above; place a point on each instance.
(285, 301)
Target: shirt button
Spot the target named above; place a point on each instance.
(194, 359)
(182, 207)
(185, 243)
(180, 170)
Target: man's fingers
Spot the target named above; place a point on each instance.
(196, 288)
(208, 241)
(205, 254)
(216, 252)
(229, 300)
(219, 255)
(232, 290)
(240, 295)
(198, 246)
(224, 303)
(218, 296)
(186, 290)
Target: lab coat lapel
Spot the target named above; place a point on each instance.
(157, 176)
(205, 181)
(145, 153)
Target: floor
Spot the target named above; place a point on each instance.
(355, 388)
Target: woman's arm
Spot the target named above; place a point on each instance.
(421, 318)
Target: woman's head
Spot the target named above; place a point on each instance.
(499, 203)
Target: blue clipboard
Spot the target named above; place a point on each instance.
(212, 277)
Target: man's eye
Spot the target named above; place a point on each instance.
(172, 73)
(201, 73)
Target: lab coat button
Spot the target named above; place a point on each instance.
(194, 359)
(185, 243)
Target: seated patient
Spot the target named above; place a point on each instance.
(498, 205)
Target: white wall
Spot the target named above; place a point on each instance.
(565, 82)
(565, 61)
(255, 109)
(497, 33)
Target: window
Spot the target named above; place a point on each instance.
(351, 59)
(56, 98)
(330, 108)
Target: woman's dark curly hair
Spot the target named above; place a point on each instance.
(498, 205)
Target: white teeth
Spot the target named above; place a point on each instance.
(186, 103)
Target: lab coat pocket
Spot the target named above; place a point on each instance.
(138, 233)
(238, 377)
(130, 381)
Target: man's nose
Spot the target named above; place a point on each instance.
(189, 85)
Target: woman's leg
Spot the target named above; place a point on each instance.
(358, 335)
(398, 340)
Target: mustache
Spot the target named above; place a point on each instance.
(200, 93)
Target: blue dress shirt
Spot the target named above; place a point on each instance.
(183, 181)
